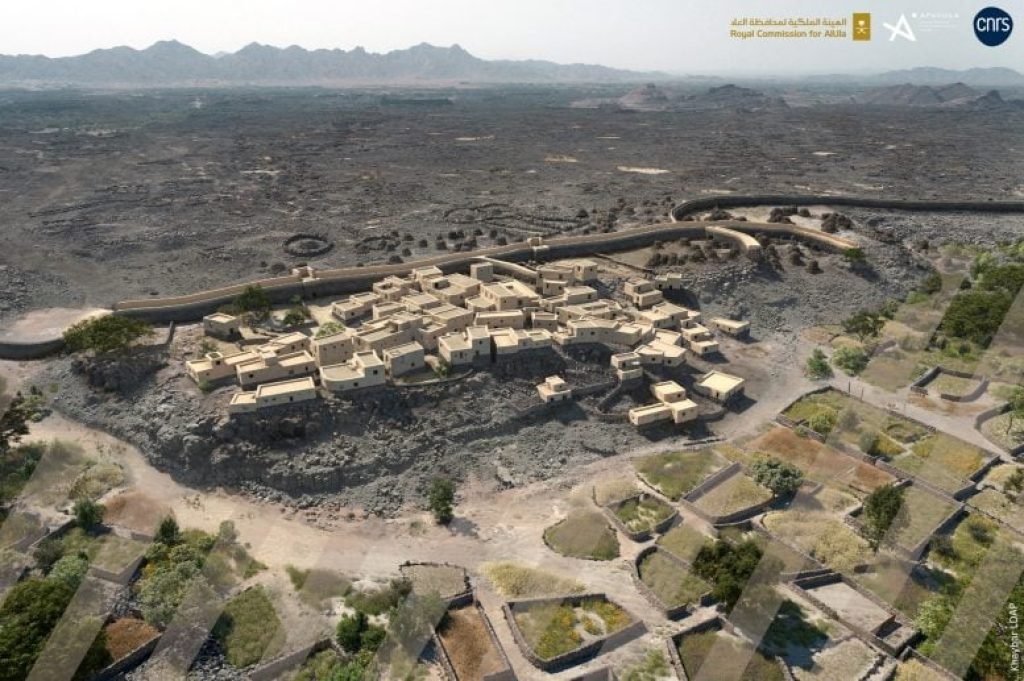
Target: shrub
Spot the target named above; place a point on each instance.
(851, 360)
(780, 477)
(864, 324)
(254, 301)
(817, 365)
(727, 567)
(110, 333)
(881, 509)
(329, 329)
(246, 627)
(868, 442)
(88, 514)
(822, 421)
(441, 499)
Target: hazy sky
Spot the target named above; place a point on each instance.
(679, 36)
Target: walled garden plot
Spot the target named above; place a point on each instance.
(834, 413)
(642, 515)
(943, 460)
(513, 580)
(823, 536)
(955, 386)
(821, 463)
(919, 517)
(447, 581)
(843, 660)
(732, 496)
(904, 586)
(674, 587)
(675, 474)
(684, 542)
(558, 632)
(695, 646)
(999, 505)
(470, 645)
(1005, 431)
(583, 534)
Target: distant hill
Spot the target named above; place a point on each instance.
(650, 97)
(994, 77)
(949, 96)
(171, 63)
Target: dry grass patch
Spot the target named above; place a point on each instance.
(998, 505)
(513, 580)
(676, 473)
(953, 385)
(942, 460)
(444, 580)
(643, 513)
(920, 514)
(822, 536)
(126, 635)
(694, 650)
(734, 494)
(469, 645)
(820, 462)
(673, 584)
(1003, 432)
(553, 629)
(684, 542)
(583, 534)
(913, 670)
(848, 659)
(608, 491)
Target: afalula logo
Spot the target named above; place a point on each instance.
(993, 26)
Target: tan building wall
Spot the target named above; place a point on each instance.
(501, 320)
(404, 359)
(333, 349)
(220, 325)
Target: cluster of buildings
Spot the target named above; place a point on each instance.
(430, 320)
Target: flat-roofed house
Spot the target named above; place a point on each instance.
(670, 281)
(642, 292)
(648, 414)
(383, 310)
(269, 367)
(544, 320)
(428, 334)
(422, 275)
(697, 332)
(220, 325)
(479, 339)
(216, 366)
(668, 391)
(392, 288)
(731, 327)
(554, 389)
(451, 317)
(702, 348)
(627, 366)
(354, 306)
(403, 359)
(273, 394)
(383, 337)
(364, 370)
(289, 343)
(455, 349)
(511, 319)
(418, 303)
(509, 295)
(583, 269)
(720, 386)
(333, 348)
(577, 295)
(679, 314)
(482, 272)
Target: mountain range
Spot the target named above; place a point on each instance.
(171, 63)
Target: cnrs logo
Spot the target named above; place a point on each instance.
(992, 26)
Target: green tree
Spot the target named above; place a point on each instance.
(329, 329)
(881, 510)
(1014, 408)
(14, 423)
(168, 532)
(852, 360)
(110, 333)
(817, 365)
(89, 514)
(931, 284)
(349, 631)
(27, 617)
(855, 255)
(780, 477)
(728, 567)
(253, 301)
(864, 324)
(441, 500)
(295, 316)
(70, 569)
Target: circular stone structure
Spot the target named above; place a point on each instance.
(307, 245)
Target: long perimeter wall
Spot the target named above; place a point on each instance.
(351, 279)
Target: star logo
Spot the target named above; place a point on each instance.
(901, 29)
